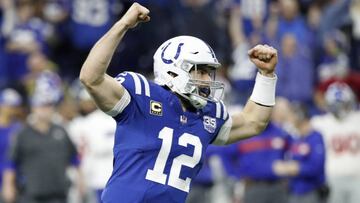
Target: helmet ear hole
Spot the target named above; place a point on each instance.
(172, 74)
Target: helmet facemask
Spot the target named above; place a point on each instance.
(198, 91)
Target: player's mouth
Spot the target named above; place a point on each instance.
(204, 91)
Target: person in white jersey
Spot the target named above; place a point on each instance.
(340, 127)
(93, 134)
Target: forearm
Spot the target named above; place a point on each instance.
(94, 68)
(286, 168)
(257, 116)
(9, 189)
(251, 121)
(10, 18)
(257, 112)
(81, 184)
(9, 179)
(235, 27)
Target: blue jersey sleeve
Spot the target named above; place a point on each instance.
(314, 165)
(229, 157)
(222, 116)
(139, 90)
(15, 151)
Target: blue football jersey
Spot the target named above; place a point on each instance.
(90, 19)
(309, 151)
(159, 148)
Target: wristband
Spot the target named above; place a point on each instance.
(264, 90)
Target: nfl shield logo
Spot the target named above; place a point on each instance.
(183, 119)
(209, 124)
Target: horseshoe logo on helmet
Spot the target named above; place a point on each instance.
(169, 61)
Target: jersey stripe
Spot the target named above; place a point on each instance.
(218, 110)
(146, 84)
(225, 113)
(137, 82)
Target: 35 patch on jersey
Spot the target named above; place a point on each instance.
(209, 124)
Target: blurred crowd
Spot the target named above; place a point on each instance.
(55, 146)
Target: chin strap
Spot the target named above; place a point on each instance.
(194, 100)
(197, 101)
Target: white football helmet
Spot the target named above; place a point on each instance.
(174, 60)
(340, 99)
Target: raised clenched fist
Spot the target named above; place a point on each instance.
(134, 15)
(265, 58)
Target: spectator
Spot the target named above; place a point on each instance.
(270, 29)
(139, 53)
(340, 128)
(295, 62)
(37, 64)
(307, 161)
(253, 14)
(291, 21)
(55, 11)
(334, 62)
(89, 20)
(210, 185)
(9, 102)
(40, 154)
(3, 68)
(355, 17)
(93, 133)
(314, 14)
(334, 67)
(25, 35)
(335, 15)
(202, 18)
(253, 161)
(282, 113)
(242, 72)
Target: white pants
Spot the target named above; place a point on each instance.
(344, 189)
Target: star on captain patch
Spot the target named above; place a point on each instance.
(155, 108)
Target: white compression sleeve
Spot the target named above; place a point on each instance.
(264, 90)
(120, 106)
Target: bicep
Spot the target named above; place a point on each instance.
(106, 93)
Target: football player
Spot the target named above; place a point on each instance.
(341, 133)
(165, 126)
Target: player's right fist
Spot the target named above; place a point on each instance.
(134, 15)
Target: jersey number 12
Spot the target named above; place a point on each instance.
(157, 173)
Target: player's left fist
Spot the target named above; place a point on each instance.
(134, 15)
(265, 58)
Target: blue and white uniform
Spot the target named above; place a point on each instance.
(159, 148)
(89, 20)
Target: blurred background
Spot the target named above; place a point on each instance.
(310, 152)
